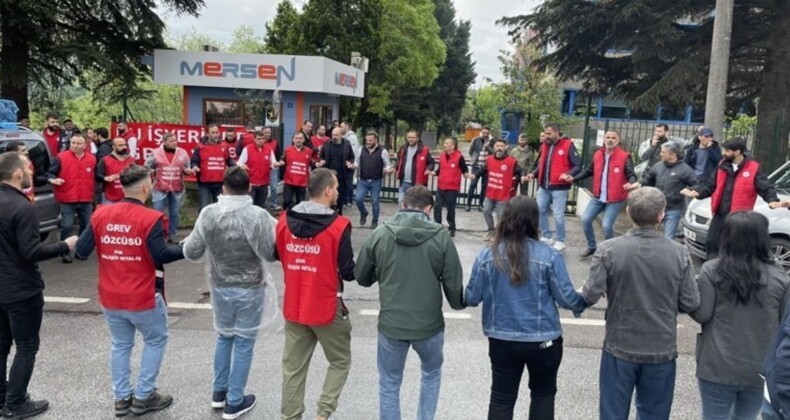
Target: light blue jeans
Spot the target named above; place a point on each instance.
(374, 186)
(610, 212)
(556, 199)
(671, 221)
(173, 202)
(489, 207)
(152, 324)
(768, 413)
(728, 402)
(391, 361)
(402, 191)
(273, 181)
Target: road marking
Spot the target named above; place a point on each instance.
(70, 300)
(184, 305)
(447, 315)
(582, 321)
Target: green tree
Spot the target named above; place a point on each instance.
(654, 52)
(283, 34)
(484, 107)
(58, 42)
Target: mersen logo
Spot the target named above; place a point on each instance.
(346, 80)
(239, 71)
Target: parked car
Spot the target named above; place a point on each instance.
(38, 152)
(696, 222)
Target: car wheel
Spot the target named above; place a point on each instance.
(781, 250)
(43, 236)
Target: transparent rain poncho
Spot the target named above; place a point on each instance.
(236, 239)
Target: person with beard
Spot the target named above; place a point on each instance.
(307, 132)
(373, 162)
(652, 154)
(108, 171)
(415, 163)
(502, 171)
(296, 159)
(703, 155)
(169, 164)
(320, 138)
(258, 160)
(232, 141)
(738, 181)
(338, 156)
(38, 180)
(105, 143)
(209, 161)
(273, 144)
(522, 153)
(130, 137)
(51, 133)
(21, 285)
(452, 167)
(479, 149)
(351, 137)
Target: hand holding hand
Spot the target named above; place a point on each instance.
(632, 186)
(195, 170)
(530, 177)
(71, 242)
(320, 163)
(566, 178)
(56, 181)
(389, 170)
(689, 193)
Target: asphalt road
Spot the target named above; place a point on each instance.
(72, 367)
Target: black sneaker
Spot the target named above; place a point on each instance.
(374, 224)
(235, 411)
(452, 233)
(123, 407)
(66, 259)
(363, 218)
(27, 409)
(154, 402)
(588, 252)
(218, 399)
(468, 208)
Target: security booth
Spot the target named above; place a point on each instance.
(280, 91)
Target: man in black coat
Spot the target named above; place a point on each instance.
(21, 285)
(338, 155)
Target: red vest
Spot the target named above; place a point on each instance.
(78, 175)
(169, 173)
(615, 177)
(232, 149)
(310, 270)
(272, 143)
(500, 177)
(450, 171)
(213, 162)
(53, 141)
(297, 166)
(318, 142)
(30, 192)
(560, 163)
(260, 164)
(127, 274)
(114, 190)
(420, 164)
(744, 194)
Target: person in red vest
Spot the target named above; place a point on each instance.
(275, 177)
(452, 166)
(232, 141)
(503, 176)
(209, 160)
(131, 139)
(735, 187)
(130, 240)
(415, 163)
(319, 138)
(169, 163)
(314, 246)
(247, 138)
(557, 156)
(613, 176)
(51, 133)
(258, 160)
(297, 159)
(109, 171)
(72, 174)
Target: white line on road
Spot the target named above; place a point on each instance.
(71, 300)
(183, 305)
(582, 321)
(448, 315)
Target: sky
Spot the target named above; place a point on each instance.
(218, 21)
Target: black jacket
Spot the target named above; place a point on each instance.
(104, 149)
(714, 157)
(671, 178)
(336, 156)
(21, 248)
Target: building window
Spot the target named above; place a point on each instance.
(223, 112)
(321, 115)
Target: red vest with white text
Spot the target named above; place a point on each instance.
(114, 190)
(449, 171)
(127, 274)
(232, 149)
(213, 162)
(744, 194)
(78, 176)
(297, 166)
(419, 165)
(560, 162)
(616, 175)
(500, 177)
(169, 170)
(260, 164)
(310, 270)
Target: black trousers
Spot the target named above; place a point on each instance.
(445, 198)
(259, 195)
(712, 245)
(470, 193)
(342, 195)
(20, 323)
(292, 195)
(508, 359)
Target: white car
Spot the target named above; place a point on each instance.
(696, 222)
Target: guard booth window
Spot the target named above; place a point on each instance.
(321, 115)
(223, 112)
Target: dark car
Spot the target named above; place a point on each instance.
(38, 152)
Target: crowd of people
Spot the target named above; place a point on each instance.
(740, 297)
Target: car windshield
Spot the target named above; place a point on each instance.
(37, 152)
(781, 178)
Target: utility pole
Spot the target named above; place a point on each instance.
(715, 101)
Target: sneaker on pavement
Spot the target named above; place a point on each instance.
(275, 207)
(489, 236)
(154, 402)
(587, 252)
(452, 233)
(468, 208)
(66, 259)
(218, 399)
(547, 240)
(26, 410)
(559, 246)
(235, 411)
(374, 224)
(123, 407)
(363, 218)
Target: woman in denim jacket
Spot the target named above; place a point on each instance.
(520, 316)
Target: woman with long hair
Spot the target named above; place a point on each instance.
(743, 293)
(520, 281)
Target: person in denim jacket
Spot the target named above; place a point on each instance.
(520, 316)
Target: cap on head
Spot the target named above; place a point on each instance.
(705, 132)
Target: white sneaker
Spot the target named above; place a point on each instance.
(559, 246)
(546, 240)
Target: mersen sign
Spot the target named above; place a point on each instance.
(239, 70)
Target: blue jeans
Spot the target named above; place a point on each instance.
(654, 383)
(349, 193)
(173, 202)
(489, 207)
(768, 412)
(728, 402)
(610, 212)
(152, 324)
(232, 362)
(274, 179)
(208, 193)
(391, 361)
(671, 221)
(67, 211)
(374, 186)
(402, 191)
(557, 200)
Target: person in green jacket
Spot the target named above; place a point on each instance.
(414, 260)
